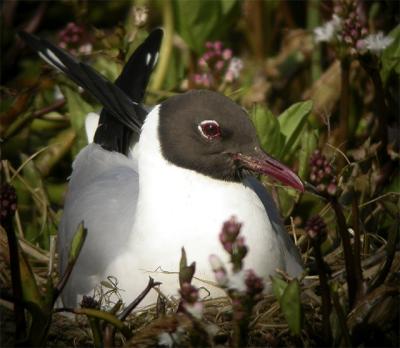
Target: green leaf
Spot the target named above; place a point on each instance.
(190, 23)
(30, 290)
(287, 198)
(309, 142)
(192, 27)
(278, 287)
(292, 122)
(391, 56)
(227, 6)
(268, 131)
(77, 243)
(291, 306)
(108, 67)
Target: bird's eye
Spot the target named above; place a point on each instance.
(210, 129)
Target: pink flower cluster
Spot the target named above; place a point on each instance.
(322, 173)
(243, 281)
(217, 65)
(353, 29)
(73, 38)
(316, 228)
(244, 287)
(233, 243)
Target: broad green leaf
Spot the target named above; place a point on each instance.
(30, 290)
(292, 122)
(391, 56)
(192, 26)
(287, 198)
(309, 142)
(227, 5)
(291, 307)
(190, 23)
(278, 287)
(108, 67)
(176, 70)
(268, 131)
(77, 243)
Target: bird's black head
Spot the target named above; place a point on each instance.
(207, 132)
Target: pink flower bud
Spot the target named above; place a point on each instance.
(227, 54)
(218, 46)
(202, 63)
(219, 65)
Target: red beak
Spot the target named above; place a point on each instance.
(262, 163)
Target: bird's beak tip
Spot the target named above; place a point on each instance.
(262, 163)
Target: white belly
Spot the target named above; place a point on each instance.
(194, 208)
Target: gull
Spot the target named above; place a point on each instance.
(156, 180)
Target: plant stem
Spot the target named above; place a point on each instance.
(29, 116)
(370, 65)
(325, 292)
(312, 22)
(351, 278)
(20, 323)
(342, 319)
(342, 137)
(96, 332)
(107, 317)
(357, 240)
(138, 299)
(166, 48)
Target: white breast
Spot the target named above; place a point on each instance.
(181, 208)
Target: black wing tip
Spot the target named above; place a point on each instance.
(157, 32)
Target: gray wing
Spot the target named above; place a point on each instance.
(293, 262)
(103, 191)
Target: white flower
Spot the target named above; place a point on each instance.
(195, 309)
(215, 262)
(219, 270)
(375, 43)
(234, 69)
(237, 281)
(327, 32)
(165, 339)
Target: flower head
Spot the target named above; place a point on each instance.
(316, 228)
(216, 65)
(219, 270)
(89, 302)
(328, 31)
(73, 38)
(254, 283)
(375, 43)
(322, 173)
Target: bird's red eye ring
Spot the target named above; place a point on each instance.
(210, 129)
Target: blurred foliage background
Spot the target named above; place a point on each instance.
(326, 105)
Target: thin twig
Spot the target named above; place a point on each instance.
(138, 299)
